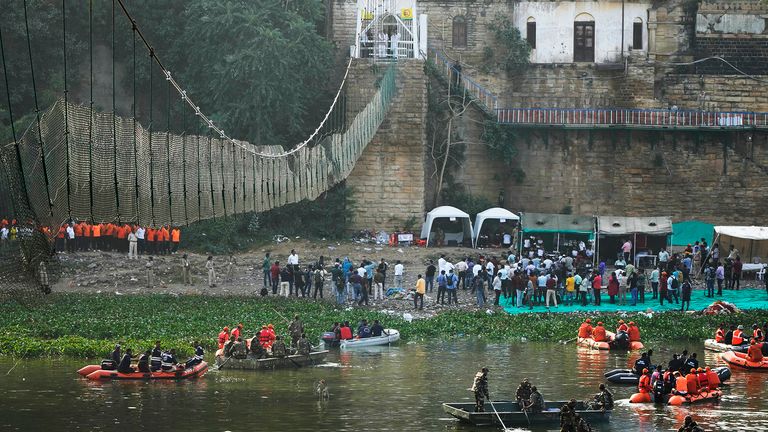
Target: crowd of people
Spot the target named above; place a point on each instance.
(625, 334)
(734, 335)
(154, 359)
(265, 343)
(684, 376)
(81, 236)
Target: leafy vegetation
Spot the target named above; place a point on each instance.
(512, 52)
(82, 325)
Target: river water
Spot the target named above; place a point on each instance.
(398, 388)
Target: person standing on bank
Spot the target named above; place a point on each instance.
(185, 274)
(399, 270)
(266, 267)
(133, 246)
(211, 272)
(419, 295)
(149, 266)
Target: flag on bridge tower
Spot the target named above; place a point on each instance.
(406, 14)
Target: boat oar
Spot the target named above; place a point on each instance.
(223, 363)
(569, 340)
(522, 407)
(497, 414)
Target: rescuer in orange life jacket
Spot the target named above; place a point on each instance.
(738, 336)
(622, 327)
(757, 334)
(223, 337)
(720, 333)
(644, 385)
(755, 352)
(634, 332)
(598, 333)
(585, 330)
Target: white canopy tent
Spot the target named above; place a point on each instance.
(751, 241)
(451, 213)
(501, 214)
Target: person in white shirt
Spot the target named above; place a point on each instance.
(441, 264)
(540, 252)
(133, 246)
(70, 238)
(547, 263)
(511, 258)
(394, 44)
(293, 258)
(491, 270)
(140, 233)
(506, 239)
(399, 270)
(476, 269)
(461, 269)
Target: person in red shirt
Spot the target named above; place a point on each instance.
(88, 234)
(597, 284)
(237, 331)
(598, 333)
(175, 238)
(151, 234)
(166, 240)
(644, 385)
(622, 327)
(720, 333)
(60, 242)
(692, 382)
(79, 241)
(275, 273)
(223, 337)
(634, 332)
(96, 234)
(755, 352)
(736, 273)
(585, 331)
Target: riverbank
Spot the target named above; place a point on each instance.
(88, 325)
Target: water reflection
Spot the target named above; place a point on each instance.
(378, 389)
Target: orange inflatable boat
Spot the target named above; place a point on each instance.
(741, 360)
(591, 343)
(677, 400)
(95, 372)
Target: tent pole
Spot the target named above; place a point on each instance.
(557, 248)
(633, 251)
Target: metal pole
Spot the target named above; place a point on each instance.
(622, 30)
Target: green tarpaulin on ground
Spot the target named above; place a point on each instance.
(690, 231)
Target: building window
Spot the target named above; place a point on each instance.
(459, 32)
(530, 33)
(637, 34)
(584, 38)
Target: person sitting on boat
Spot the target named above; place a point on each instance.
(345, 332)
(692, 362)
(681, 384)
(169, 361)
(480, 388)
(257, 349)
(229, 346)
(237, 331)
(659, 386)
(116, 356)
(644, 384)
(523, 393)
(692, 382)
(198, 357)
(713, 380)
(675, 364)
(669, 381)
(738, 336)
(223, 337)
(567, 418)
(278, 348)
(729, 335)
(156, 359)
(377, 329)
(303, 345)
(537, 402)
(143, 364)
(720, 333)
(656, 375)
(634, 333)
(585, 330)
(363, 331)
(622, 328)
(643, 363)
(336, 329)
(701, 375)
(598, 333)
(690, 425)
(754, 353)
(757, 333)
(125, 363)
(604, 399)
(239, 350)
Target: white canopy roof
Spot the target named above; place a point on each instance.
(499, 213)
(617, 225)
(447, 212)
(744, 232)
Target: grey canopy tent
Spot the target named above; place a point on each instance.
(454, 215)
(646, 232)
(559, 225)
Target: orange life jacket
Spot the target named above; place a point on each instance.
(87, 230)
(681, 384)
(585, 330)
(719, 336)
(713, 380)
(598, 334)
(62, 232)
(757, 334)
(692, 384)
(96, 230)
(264, 338)
(164, 235)
(176, 235)
(644, 385)
(738, 337)
(703, 380)
(150, 235)
(78, 230)
(755, 353)
(121, 234)
(223, 338)
(622, 328)
(634, 334)
(346, 333)
(236, 332)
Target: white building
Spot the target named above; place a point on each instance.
(566, 31)
(389, 29)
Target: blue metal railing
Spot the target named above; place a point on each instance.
(477, 91)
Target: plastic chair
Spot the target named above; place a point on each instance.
(761, 274)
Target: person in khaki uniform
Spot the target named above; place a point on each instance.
(211, 272)
(186, 277)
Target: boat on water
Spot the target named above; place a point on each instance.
(388, 337)
(610, 345)
(271, 363)
(740, 360)
(511, 415)
(95, 372)
(677, 400)
(713, 345)
(628, 376)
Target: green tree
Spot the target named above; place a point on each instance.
(512, 52)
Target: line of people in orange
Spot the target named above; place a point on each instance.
(266, 336)
(697, 381)
(736, 336)
(598, 333)
(108, 236)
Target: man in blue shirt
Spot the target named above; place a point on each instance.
(442, 281)
(451, 283)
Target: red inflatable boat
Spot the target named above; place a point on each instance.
(741, 360)
(95, 372)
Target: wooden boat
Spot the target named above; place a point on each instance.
(271, 363)
(389, 336)
(628, 376)
(591, 343)
(101, 374)
(713, 345)
(511, 414)
(741, 360)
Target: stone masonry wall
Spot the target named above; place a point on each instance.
(716, 92)
(388, 179)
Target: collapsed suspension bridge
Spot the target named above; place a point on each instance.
(74, 162)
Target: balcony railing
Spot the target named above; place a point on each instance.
(454, 76)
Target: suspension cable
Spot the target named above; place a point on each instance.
(114, 119)
(151, 154)
(90, 117)
(66, 104)
(37, 112)
(135, 152)
(205, 119)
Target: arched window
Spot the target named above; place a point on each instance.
(459, 32)
(637, 34)
(584, 38)
(530, 32)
